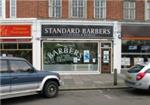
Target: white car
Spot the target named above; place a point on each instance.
(138, 76)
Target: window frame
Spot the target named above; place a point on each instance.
(129, 10)
(14, 7)
(102, 9)
(77, 6)
(147, 6)
(1, 9)
(53, 13)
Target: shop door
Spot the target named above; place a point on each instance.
(106, 58)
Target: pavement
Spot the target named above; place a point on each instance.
(91, 81)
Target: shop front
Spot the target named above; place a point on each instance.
(77, 48)
(15, 40)
(135, 44)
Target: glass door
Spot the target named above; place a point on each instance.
(106, 58)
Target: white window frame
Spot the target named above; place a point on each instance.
(2, 7)
(77, 9)
(129, 8)
(147, 6)
(101, 9)
(13, 7)
(52, 7)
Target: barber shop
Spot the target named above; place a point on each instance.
(79, 48)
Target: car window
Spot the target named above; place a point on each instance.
(135, 69)
(19, 66)
(148, 71)
(3, 66)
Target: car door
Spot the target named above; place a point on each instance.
(23, 76)
(4, 77)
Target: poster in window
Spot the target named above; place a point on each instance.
(86, 56)
(138, 60)
(106, 56)
(125, 61)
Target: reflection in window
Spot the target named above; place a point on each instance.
(3, 66)
(19, 66)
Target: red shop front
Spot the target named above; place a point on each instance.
(15, 40)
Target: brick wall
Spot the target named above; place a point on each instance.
(114, 10)
(39, 9)
(140, 9)
(7, 9)
(90, 9)
(65, 7)
(26, 9)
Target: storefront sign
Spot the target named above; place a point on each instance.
(15, 30)
(77, 31)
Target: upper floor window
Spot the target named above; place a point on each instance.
(12, 8)
(0, 8)
(148, 10)
(55, 7)
(78, 8)
(100, 9)
(129, 10)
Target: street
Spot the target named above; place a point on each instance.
(87, 97)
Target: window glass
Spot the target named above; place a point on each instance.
(55, 7)
(129, 10)
(19, 66)
(135, 52)
(148, 9)
(148, 71)
(25, 46)
(100, 9)
(69, 56)
(3, 66)
(136, 69)
(78, 8)
(0, 8)
(12, 8)
(10, 46)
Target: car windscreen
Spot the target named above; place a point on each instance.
(136, 68)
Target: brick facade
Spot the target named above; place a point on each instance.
(114, 10)
(39, 9)
(140, 8)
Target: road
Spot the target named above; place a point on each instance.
(87, 97)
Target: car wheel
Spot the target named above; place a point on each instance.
(50, 89)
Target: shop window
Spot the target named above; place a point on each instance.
(23, 50)
(10, 46)
(25, 46)
(70, 56)
(134, 52)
